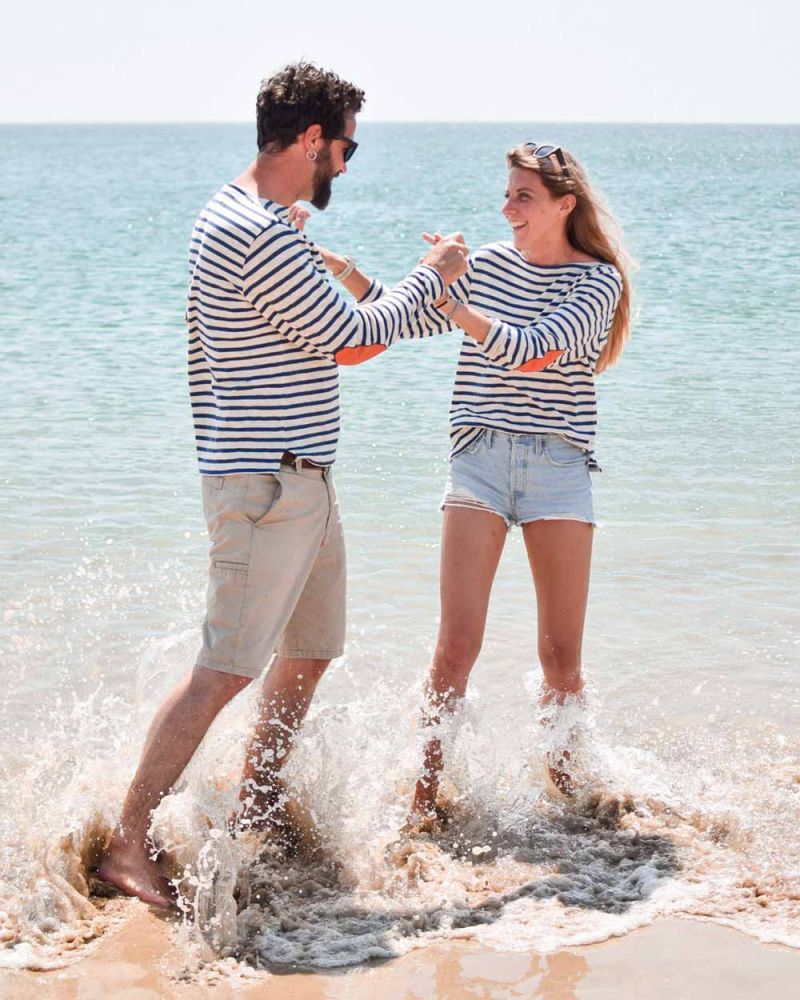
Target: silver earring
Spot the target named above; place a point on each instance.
(311, 154)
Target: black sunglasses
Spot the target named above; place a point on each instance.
(545, 150)
(349, 149)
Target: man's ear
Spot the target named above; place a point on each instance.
(311, 138)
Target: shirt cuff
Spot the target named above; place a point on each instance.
(494, 344)
(428, 271)
(375, 291)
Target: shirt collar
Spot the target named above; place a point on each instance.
(273, 207)
(282, 211)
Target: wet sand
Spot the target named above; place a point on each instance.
(669, 960)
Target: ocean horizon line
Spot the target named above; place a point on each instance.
(400, 121)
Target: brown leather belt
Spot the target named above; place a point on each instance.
(298, 462)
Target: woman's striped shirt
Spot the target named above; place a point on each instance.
(534, 373)
(265, 328)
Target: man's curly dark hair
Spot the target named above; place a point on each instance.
(301, 95)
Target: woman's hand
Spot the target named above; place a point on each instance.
(434, 239)
(334, 262)
(448, 255)
(298, 216)
(445, 297)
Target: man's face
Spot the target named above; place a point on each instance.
(330, 163)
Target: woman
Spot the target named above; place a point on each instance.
(543, 314)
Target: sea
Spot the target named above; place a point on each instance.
(691, 644)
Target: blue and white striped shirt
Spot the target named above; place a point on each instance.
(534, 373)
(265, 327)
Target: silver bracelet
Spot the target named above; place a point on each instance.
(349, 267)
(449, 315)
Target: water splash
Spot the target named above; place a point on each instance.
(670, 821)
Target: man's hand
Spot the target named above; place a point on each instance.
(448, 256)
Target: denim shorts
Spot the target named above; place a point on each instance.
(522, 477)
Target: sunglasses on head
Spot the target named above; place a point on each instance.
(541, 152)
(350, 146)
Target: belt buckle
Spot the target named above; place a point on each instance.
(298, 463)
(293, 461)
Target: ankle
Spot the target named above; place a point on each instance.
(425, 793)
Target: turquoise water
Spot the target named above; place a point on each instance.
(692, 636)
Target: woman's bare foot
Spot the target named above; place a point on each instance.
(426, 792)
(132, 871)
(434, 822)
(559, 777)
(432, 807)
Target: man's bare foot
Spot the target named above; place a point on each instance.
(135, 874)
(285, 820)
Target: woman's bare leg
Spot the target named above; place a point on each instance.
(560, 555)
(472, 543)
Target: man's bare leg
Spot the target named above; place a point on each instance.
(175, 733)
(287, 691)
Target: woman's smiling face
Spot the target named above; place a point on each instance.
(531, 210)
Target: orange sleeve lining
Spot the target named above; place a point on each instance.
(357, 355)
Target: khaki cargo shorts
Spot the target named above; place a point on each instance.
(277, 574)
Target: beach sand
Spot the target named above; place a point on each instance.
(669, 960)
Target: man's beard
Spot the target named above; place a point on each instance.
(323, 180)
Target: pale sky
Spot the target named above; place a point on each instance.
(455, 60)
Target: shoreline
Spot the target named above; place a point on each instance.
(669, 959)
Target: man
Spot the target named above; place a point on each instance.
(266, 330)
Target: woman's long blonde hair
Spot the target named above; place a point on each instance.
(591, 229)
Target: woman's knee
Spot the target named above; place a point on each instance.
(561, 663)
(454, 658)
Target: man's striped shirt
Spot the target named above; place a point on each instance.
(265, 328)
(534, 373)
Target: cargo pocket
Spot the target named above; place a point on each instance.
(227, 586)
